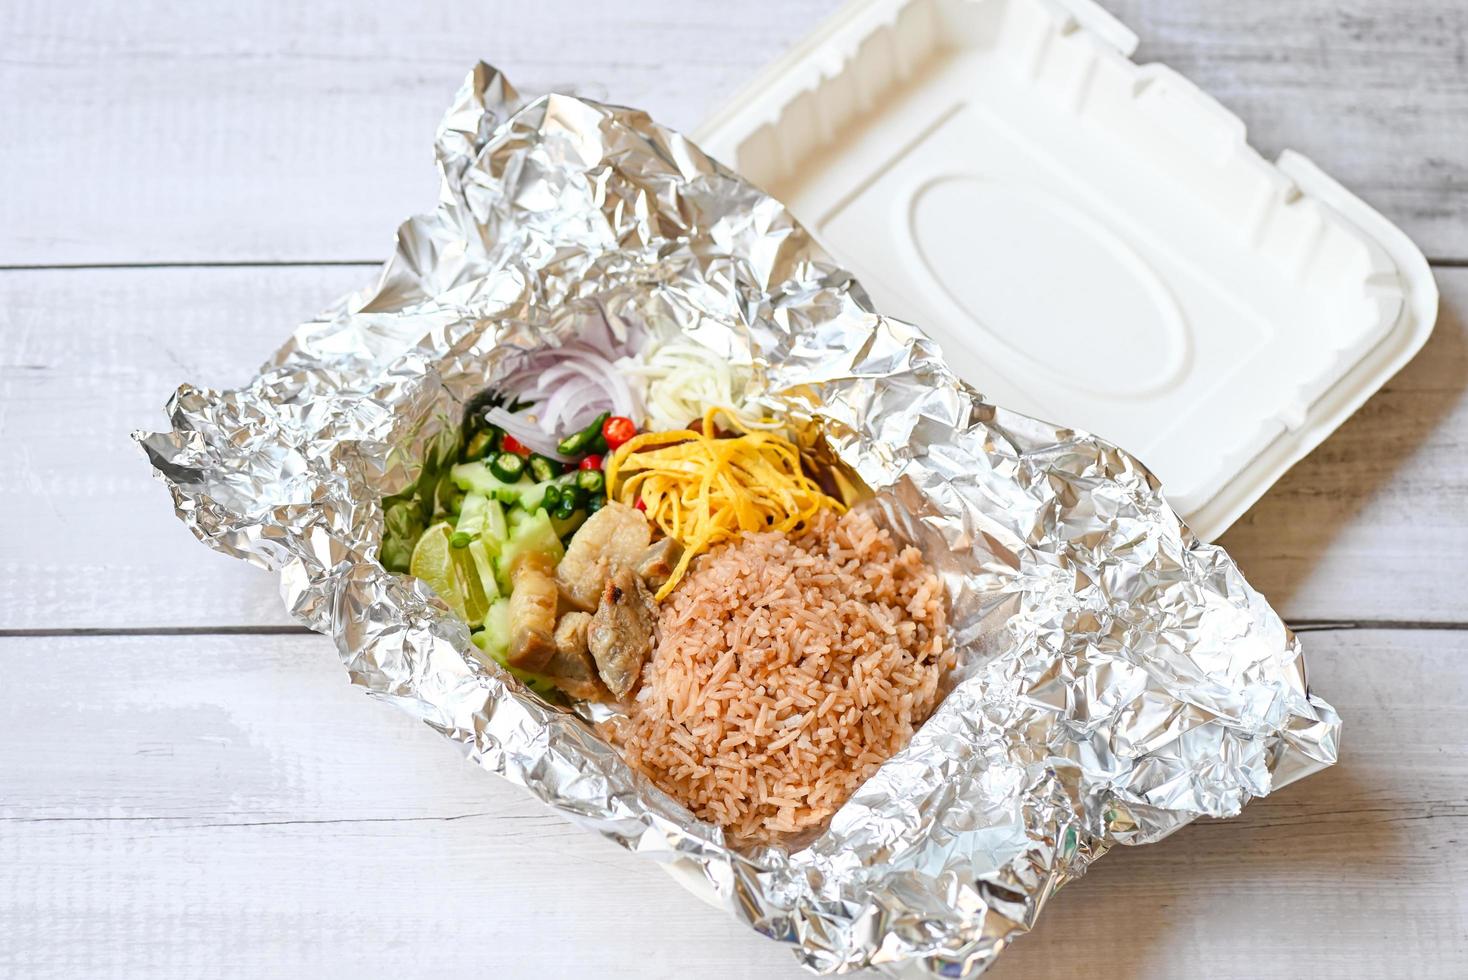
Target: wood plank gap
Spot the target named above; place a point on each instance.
(1436, 263)
(285, 630)
(207, 264)
(1303, 626)
(195, 822)
(1333, 625)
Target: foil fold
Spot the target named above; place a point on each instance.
(1117, 678)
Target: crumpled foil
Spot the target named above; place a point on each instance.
(1117, 677)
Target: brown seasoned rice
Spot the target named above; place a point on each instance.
(787, 669)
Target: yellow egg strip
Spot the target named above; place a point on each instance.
(700, 490)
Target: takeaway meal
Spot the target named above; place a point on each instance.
(621, 527)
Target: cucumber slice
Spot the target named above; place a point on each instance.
(473, 516)
(484, 565)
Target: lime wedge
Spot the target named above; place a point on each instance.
(433, 562)
(451, 573)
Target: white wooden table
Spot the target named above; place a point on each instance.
(190, 788)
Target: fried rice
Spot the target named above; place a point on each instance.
(786, 670)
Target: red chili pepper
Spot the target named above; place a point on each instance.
(617, 430)
(512, 445)
(590, 463)
(641, 504)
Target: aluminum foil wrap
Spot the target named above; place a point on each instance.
(1117, 678)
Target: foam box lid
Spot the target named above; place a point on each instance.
(1091, 241)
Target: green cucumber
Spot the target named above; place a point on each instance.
(476, 477)
(473, 516)
(567, 526)
(530, 532)
(484, 565)
(496, 529)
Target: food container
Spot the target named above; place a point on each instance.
(1092, 241)
(1116, 677)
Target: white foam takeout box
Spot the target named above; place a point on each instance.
(1091, 241)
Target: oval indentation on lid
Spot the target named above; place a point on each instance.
(1049, 285)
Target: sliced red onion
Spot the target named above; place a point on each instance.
(582, 407)
(527, 432)
(552, 377)
(605, 373)
(572, 407)
(565, 388)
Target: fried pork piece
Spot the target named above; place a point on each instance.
(655, 565)
(620, 636)
(614, 536)
(571, 667)
(533, 597)
(571, 632)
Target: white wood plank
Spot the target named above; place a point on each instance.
(1349, 873)
(1374, 523)
(189, 807)
(1376, 93)
(91, 538)
(198, 807)
(1371, 526)
(155, 131)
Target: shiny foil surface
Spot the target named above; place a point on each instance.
(1117, 678)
